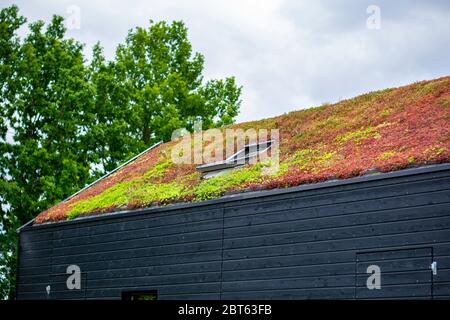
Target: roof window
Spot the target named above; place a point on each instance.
(237, 160)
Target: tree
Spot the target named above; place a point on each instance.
(47, 105)
(10, 21)
(164, 82)
(64, 122)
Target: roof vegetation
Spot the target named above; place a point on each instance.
(385, 130)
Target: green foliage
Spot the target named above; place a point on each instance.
(158, 193)
(433, 88)
(385, 113)
(45, 104)
(163, 81)
(216, 186)
(387, 155)
(116, 196)
(358, 136)
(310, 159)
(444, 102)
(143, 189)
(331, 122)
(64, 122)
(157, 171)
(146, 190)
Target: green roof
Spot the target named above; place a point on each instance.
(385, 130)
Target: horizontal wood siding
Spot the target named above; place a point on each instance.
(305, 244)
(177, 253)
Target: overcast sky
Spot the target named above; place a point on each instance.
(288, 55)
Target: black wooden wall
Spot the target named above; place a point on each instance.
(308, 242)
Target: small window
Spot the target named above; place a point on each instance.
(237, 160)
(140, 295)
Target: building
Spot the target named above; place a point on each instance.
(359, 209)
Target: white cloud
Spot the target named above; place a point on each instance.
(287, 54)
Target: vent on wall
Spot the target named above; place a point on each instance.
(237, 160)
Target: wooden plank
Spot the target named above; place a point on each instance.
(308, 190)
(119, 253)
(158, 281)
(316, 293)
(380, 192)
(355, 232)
(147, 242)
(398, 291)
(292, 283)
(408, 264)
(140, 271)
(178, 217)
(164, 261)
(394, 254)
(398, 278)
(362, 243)
(332, 217)
(189, 229)
(300, 245)
(290, 272)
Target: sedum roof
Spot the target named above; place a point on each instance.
(385, 130)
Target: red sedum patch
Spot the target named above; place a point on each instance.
(386, 130)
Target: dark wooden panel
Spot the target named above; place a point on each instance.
(336, 196)
(390, 255)
(403, 273)
(177, 217)
(374, 229)
(187, 229)
(274, 283)
(398, 278)
(304, 244)
(147, 270)
(158, 282)
(405, 291)
(146, 242)
(332, 217)
(139, 261)
(405, 264)
(362, 243)
(290, 272)
(290, 294)
(119, 253)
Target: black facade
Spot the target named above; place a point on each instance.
(309, 242)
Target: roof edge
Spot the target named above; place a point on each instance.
(99, 179)
(245, 195)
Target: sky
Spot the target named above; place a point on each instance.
(287, 55)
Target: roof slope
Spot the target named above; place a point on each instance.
(385, 130)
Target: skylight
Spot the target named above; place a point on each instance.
(243, 156)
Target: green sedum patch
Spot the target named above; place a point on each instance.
(358, 136)
(433, 88)
(433, 152)
(331, 123)
(148, 194)
(444, 102)
(386, 112)
(115, 196)
(146, 191)
(311, 160)
(158, 171)
(387, 155)
(121, 194)
(217, 186)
